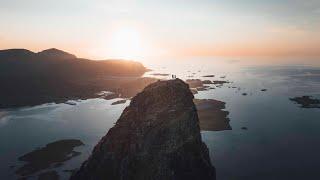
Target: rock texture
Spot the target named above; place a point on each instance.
(157, 137)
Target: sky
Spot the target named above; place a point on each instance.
(101, 29)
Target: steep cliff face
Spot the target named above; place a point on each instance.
(157, 137)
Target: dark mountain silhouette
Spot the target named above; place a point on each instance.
(54, 53)
(22, 62)
(16, 54)
(29, 78)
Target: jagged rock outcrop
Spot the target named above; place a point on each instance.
(157, 137)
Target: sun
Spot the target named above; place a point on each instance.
(127, 43)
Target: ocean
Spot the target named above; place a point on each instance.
(271, 137)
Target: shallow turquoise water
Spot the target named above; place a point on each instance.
(282, 140)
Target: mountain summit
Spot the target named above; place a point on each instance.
(157, 137)
(54, 53)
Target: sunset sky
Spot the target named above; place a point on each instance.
(133, 29)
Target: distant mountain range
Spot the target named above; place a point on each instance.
(29, 78)
(26, 54)
(54, 62)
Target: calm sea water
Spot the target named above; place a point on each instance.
(282, 140)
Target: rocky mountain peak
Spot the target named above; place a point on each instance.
(156, 137)
(170, 94)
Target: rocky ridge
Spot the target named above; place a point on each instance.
(156, 137)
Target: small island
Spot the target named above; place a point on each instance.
(307, 101)
(212, 117)
(54, 153)
(119, 102)
(211, 75)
